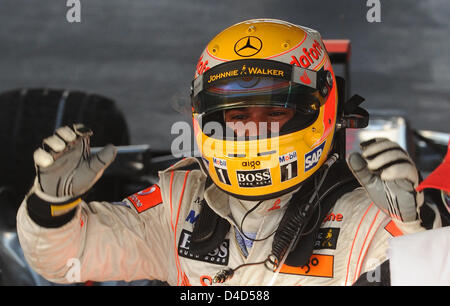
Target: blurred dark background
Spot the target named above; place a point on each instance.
(142, 53)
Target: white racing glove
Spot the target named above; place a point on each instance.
(65, 169)
(389, 176)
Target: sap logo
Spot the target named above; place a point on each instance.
(313, 157)
(283, 159)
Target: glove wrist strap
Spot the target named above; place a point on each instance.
(51, 214)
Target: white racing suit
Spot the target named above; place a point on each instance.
(147, 236)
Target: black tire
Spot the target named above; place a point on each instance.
(29, 115)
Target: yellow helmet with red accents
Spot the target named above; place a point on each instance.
(270, 69)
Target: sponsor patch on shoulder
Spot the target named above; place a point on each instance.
(146, 198)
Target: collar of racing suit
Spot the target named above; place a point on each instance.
(235, 209)
(256, 220)
(253, 213)
(252, 221)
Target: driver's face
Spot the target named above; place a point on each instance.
(241, 120)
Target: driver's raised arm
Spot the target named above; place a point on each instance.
(67, 240)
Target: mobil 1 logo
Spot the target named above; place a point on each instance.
(254, 178)
(288, 166)
(221, 169)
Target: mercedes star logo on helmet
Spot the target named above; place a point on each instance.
(248, 46)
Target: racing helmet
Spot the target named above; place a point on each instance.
(270, 67)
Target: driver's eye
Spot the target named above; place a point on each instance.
(277, 114)
(240, 117)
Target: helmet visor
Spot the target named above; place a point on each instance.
(257, 91)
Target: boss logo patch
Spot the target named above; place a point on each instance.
(218, 256)
(312, 157)
(254, 178)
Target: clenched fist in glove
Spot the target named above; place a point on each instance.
(65, 170)
(389, 176)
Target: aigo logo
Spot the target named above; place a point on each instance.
(252, 164)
